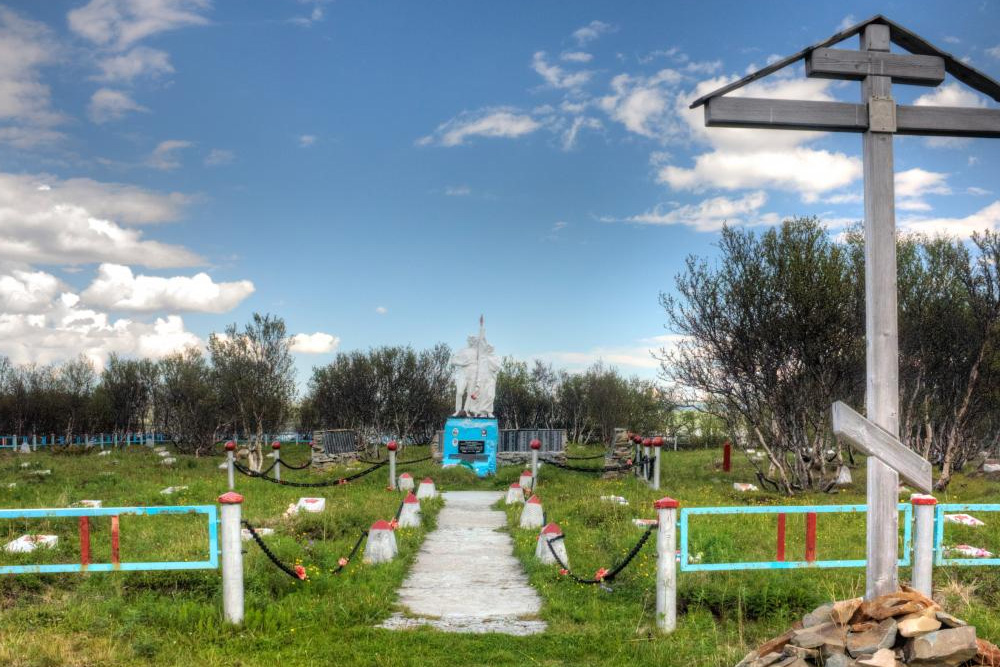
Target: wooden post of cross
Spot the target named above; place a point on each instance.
(877, 118)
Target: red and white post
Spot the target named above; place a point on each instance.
(276, 446)
(666, 564)
(923, 542)
(230, 453)
(647, 444)
(657, 447)
(392, 447)
(536, 445)
(232, 557)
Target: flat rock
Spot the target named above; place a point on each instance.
(817, 636)
(918, 625)
(839, 660)
(943, 648)
(871, 641)
(949, 621)
(884, 657)
(821, 614)
(843, 610)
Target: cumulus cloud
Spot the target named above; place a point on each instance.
(555, 75)
(107, 104)
(708, 215)
(117, 288)
(164, 156)
(45, 220)
(315, 343)
(644, 104)
(27, 291)
(592, 31)
(141, 61)
(913, 184)
(987, 218)
(576, 56)
(950, 95)
(219, 156)
(121, 23)
(489, 122)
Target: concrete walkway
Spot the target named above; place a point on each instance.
(466, 578)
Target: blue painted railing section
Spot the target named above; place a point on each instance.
(209, 511)
(687, 565)
(939, 549)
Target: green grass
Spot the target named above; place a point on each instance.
(174, 618)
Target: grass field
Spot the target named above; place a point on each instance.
(174, 618)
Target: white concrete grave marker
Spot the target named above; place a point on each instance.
(311, 504)
(877, 118)
(28, 543)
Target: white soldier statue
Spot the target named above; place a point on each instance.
(476, 369)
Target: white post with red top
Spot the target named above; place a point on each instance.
(232, 556)
(647, 444)
(657, 446)
(536, 444)
(923, 542)
(230, 449)
(276, 446)
(666, 564)
(392, 447)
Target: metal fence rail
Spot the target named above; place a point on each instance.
(84, 514)
(939, 522)
(688, 566)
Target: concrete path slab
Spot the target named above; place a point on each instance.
(466, 577)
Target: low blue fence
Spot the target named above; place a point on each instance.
(939, 521)
(84, 514)
(688, 566)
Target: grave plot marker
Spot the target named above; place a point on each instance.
(877, 118)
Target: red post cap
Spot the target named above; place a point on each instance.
(410, 498)
(392, 446)
(230, 498)
(657, 441)
(381, 524)
(406, 475)
(637, 438)
(534, 500)
(515, 485)
(646, 442)
(923, 499)
(526, 473)
(552, 529)
(230, 446)
(666, 504)
(536, 444)
(275, 445)
(427, 480)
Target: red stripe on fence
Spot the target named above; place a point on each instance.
(84, 541)
(781, 538)
(114, 542)
(811, 537)
(727, 456)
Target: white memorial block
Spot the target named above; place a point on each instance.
(40, 473)
(968, 551)
(532, 516)
(163, 453)
(405, 482)
(89, 503)
(311, 504)
(515, 494)
(618, 500)
(381, 544)
(168, 461)
(551, 535)
(744, 488)
(877, 118)
(262, 532)
(426, 489)
(28, 543)
(964, 520)
(526, 481)
(104, 452)
(409, 516)
(170, 490)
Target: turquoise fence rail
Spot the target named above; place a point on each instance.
(84, 514)
(688, 566)
(939, 548)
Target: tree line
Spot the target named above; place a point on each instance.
(774, 334)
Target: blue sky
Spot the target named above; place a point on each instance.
(383, 172)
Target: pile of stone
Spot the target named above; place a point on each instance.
(901, 629)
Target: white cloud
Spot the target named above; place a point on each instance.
(120, 23)
(576, 56)
(164, 156)
(45, 220)
(973, 190)
(381, 310)
(950, 95)
(913, 184)
(592, 31)
(140, 61)
(25, 47)
(457, 191)
(708, 215)
(306, 140)
(316, 343)
(117, 288)
(846, 22)
(644, 104)
(994, 51)
(489, 122)
(987, 218)
(556, 76)
(107, 104)
(315, 16)
(569, 137)
(219, 156)
(27, 291)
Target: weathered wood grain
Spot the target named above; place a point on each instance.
(786, 114)
(856, 65)
(874, 441)
(948, 121)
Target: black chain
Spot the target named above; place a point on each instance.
(308, 485)
(274, 559)
(586, 458)
(628, 466)
(613, 572)
(286, 464)
(357, 545)
(399, 511)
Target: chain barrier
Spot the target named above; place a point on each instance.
(308, 485)
(342, 563)
(629, 464)
(286, 464)
(298, 572)
(602, 575)
(586, 458)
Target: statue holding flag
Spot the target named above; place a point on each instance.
(476, 369)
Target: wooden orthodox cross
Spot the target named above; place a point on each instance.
(877, 118)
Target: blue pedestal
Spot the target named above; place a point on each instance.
(472, 442)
